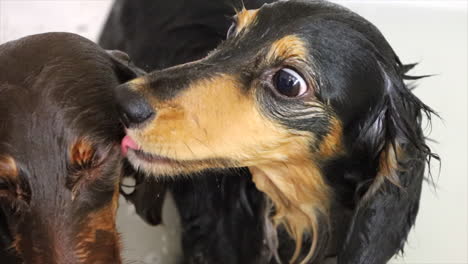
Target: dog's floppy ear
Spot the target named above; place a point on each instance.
(392, 139)
(147, 197)
(124, 67)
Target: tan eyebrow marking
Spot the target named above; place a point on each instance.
(287, 47)
(8, 167)
(245, 18)
(82, 152)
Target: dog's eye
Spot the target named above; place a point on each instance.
(289, 83)
(15, 195)
(232, 29)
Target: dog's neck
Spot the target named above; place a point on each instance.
(300, 196)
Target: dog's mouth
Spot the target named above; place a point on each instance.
(130, 146)
(161, 165)
(152, 158)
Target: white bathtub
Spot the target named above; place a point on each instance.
(433, 33)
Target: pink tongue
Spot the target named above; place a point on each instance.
(128, 143)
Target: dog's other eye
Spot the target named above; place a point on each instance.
(232, 29)
(289, 83)
(14, 195)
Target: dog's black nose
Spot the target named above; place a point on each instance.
(134, 109)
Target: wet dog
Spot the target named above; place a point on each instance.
(310, 98)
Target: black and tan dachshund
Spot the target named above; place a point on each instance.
(60, 162)
(310, 98)
(215, 205)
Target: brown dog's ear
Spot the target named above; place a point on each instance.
(147, 196)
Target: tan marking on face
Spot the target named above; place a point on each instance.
(214, 119)
(82, 152)
(8, 168)
(290, 46)
(332, 143)
(87, 160)
(245, 19)
(102, 220)
(16, 243)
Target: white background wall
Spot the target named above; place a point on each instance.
(433, 33)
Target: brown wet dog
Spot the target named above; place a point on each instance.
(59, 158)
(311, 98)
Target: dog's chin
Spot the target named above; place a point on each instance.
(163, 166)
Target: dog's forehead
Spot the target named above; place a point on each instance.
(273, 21)
(310, 24)
(35, 132)
(286, 14)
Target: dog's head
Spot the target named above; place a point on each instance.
(59, 156)
(296, 86)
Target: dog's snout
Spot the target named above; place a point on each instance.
(133, 107)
